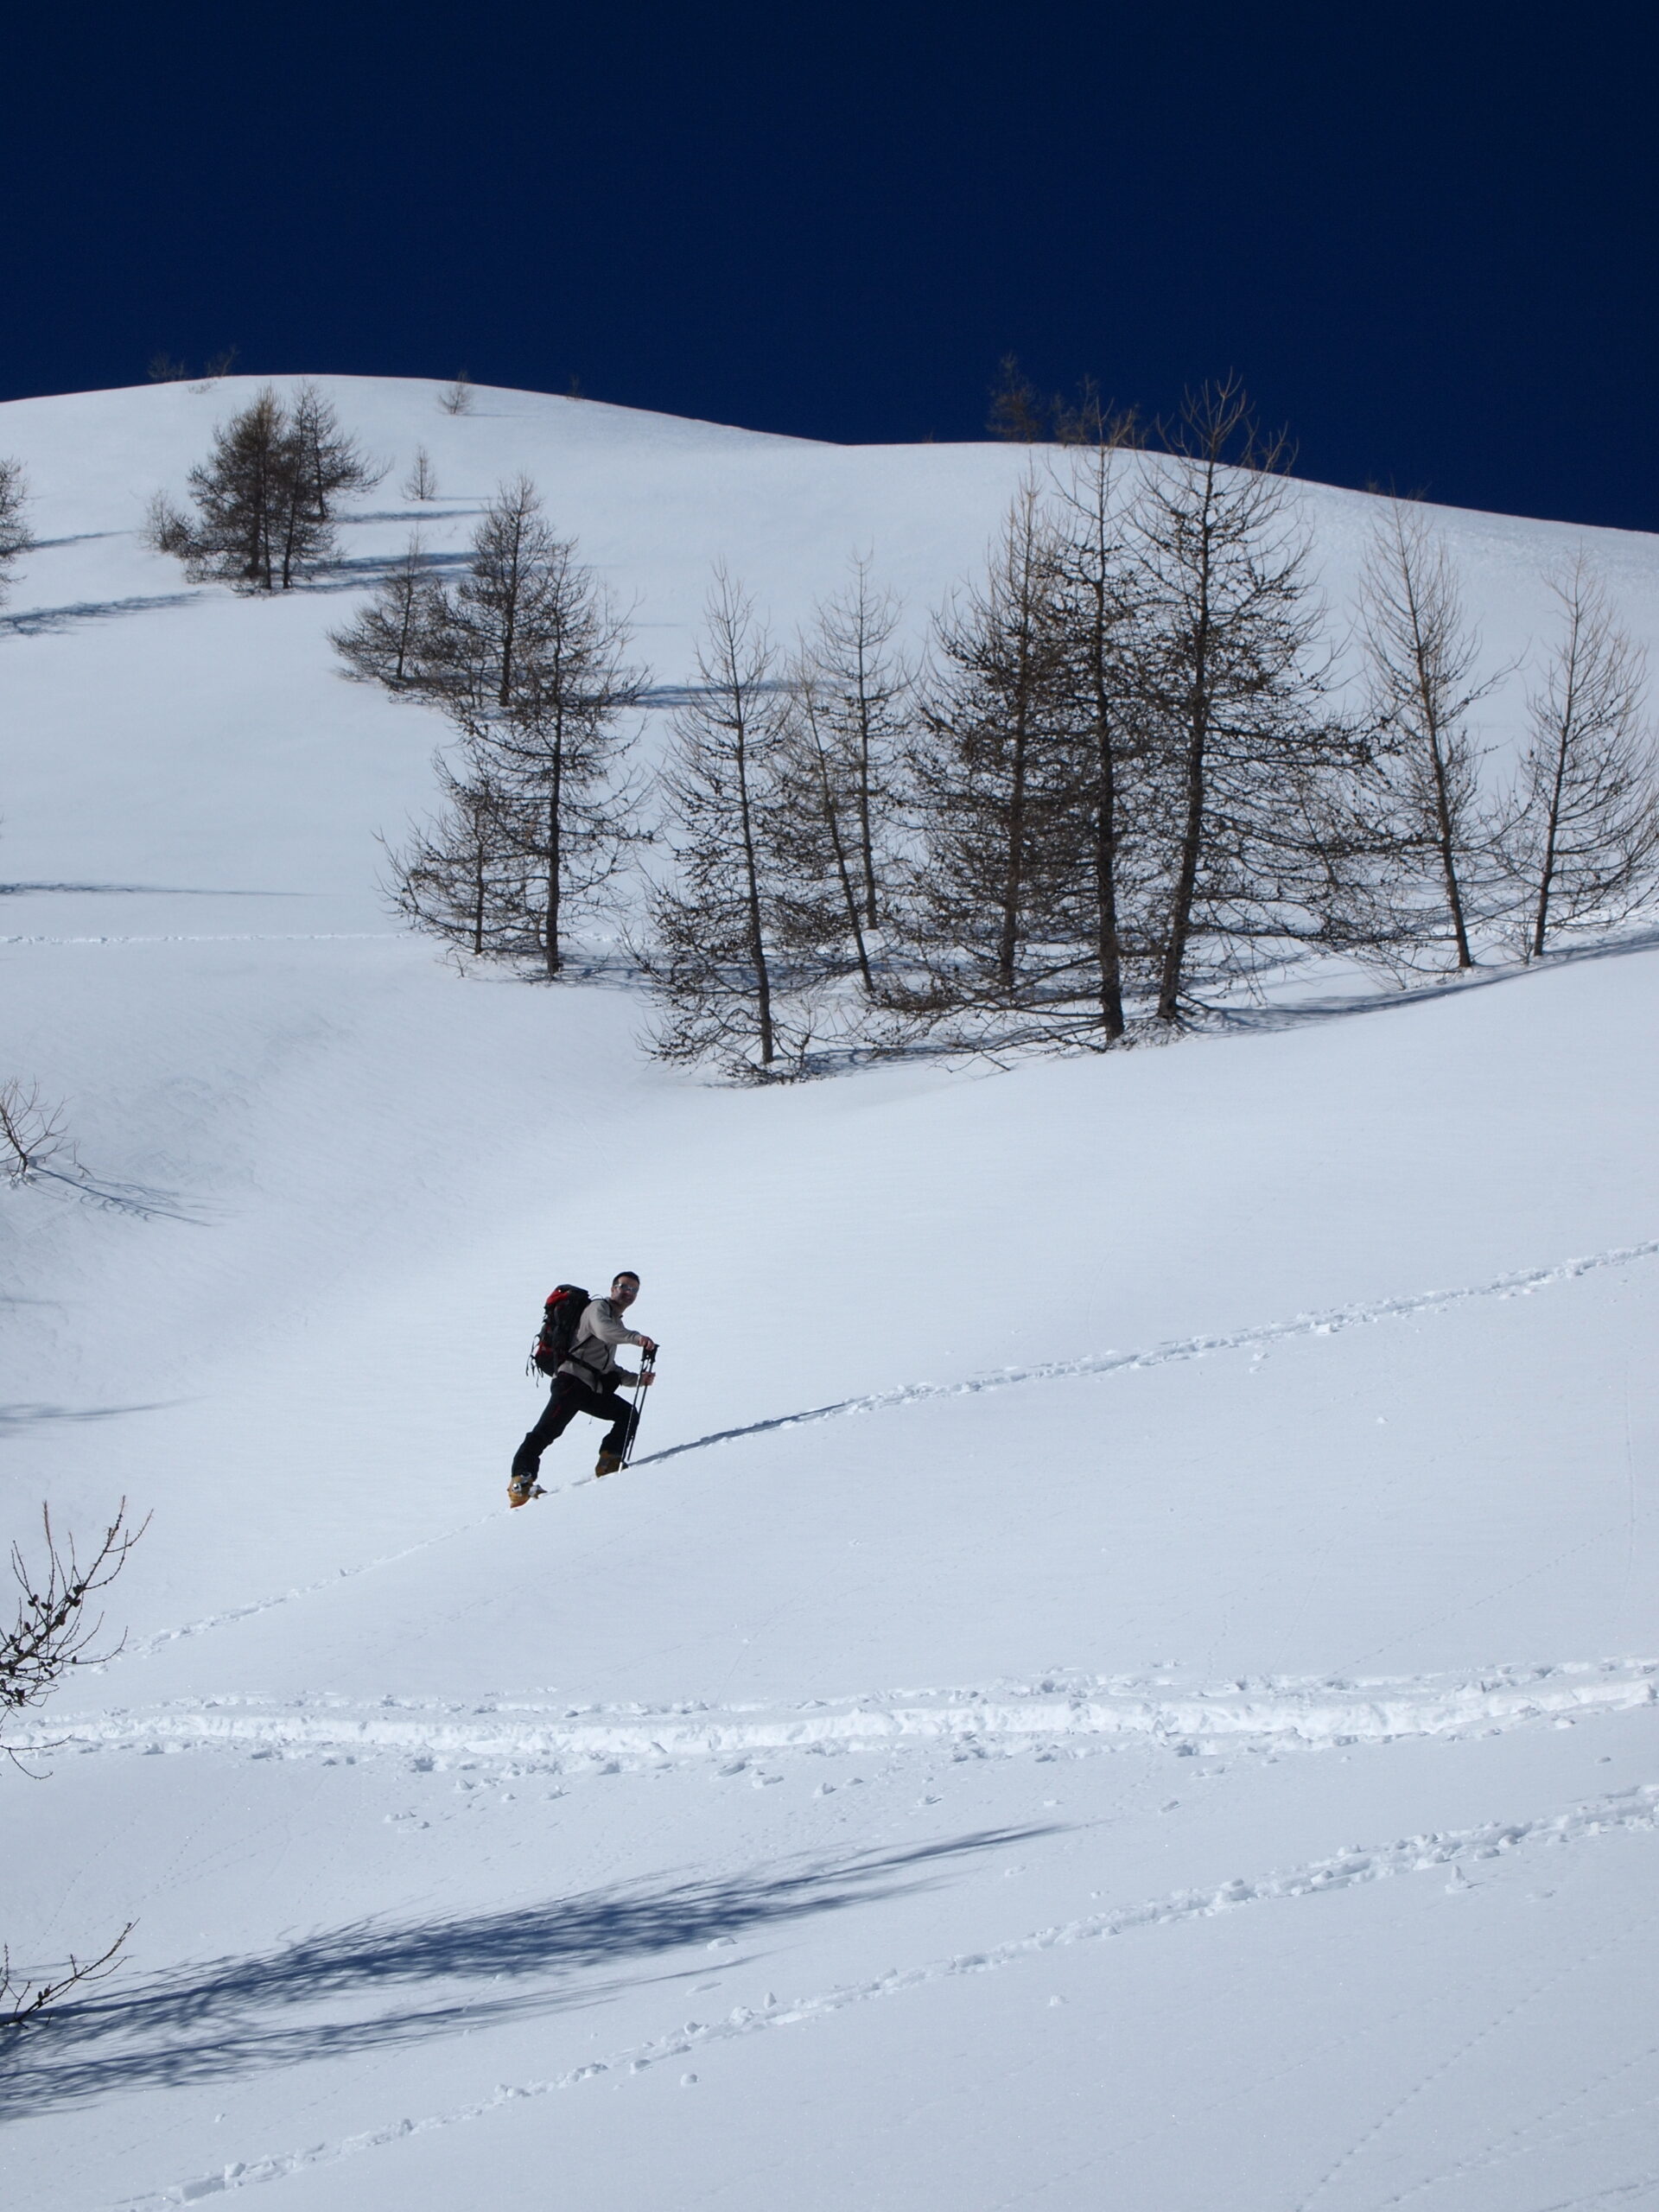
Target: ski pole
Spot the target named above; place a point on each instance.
(647, 1362)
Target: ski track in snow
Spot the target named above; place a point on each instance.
(1054, 1710)
(231, 936)
(1633, 1811)
(1326, 1323)
(142, 1647)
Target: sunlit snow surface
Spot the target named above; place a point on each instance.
(1170, 1725)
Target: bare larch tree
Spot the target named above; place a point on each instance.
(1228, 681)
(990, 771)
(833, 814)
(15, 537)
(527, 659)
(1096, 611)
(1019, 414)
(422, 481)
(715, 958)
(1420, 810)
(460, 876)
(263, 498)
(1584, 844)
(813, 823)
(387, 641)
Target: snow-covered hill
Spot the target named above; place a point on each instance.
(1124, 1672)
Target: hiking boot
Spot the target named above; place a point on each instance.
(521, 1489)
(609, 1463)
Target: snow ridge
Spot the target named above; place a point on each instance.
(1054, 1710)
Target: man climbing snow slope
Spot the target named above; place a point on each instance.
(587, 1382)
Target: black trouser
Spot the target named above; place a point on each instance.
(568, 1398)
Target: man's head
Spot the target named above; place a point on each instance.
(624, 1288)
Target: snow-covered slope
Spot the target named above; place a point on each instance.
(1124, 1672)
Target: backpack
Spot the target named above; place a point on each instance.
(561, 1318)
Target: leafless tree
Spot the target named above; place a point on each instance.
(556, 741)
(15, 537)
(422, 481)
(325, 461)
(813, 822)
(1019, 413)
(166, 527)
(528, 658)
(833, 816)
(864, 688)
(716, 959)
(1423, 835)
(216, 365)
(1584, 843)
(33, 1130)
(263, 500)
(461, 877)
(991, 771)
(249, 529)
(23, 1996)
(1096, 608)
(457, 396)
(50, 1634)
(1230, 681)
(1094, 420)
(389, 639)
(164, 368)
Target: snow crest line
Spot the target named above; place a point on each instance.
(1327, 1323)
(1289, 1714)
(1633, 1811)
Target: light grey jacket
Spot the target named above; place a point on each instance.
(600, 1330)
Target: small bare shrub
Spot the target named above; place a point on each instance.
(51, 1634)
(32, 1131)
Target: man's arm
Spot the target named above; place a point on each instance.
(603, 1324)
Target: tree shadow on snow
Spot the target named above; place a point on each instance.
(355, 570)
(79, 537)
(1377, 998)
(36, 621)
(14, 1419)
(225, 2019)
(441, 509)
(143, 890)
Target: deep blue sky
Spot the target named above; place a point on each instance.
(1425, 236)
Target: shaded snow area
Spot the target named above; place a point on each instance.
(1124, 1672)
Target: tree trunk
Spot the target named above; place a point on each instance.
(1181, 910)
(1546, 872)
(866, 842)
(1448, 853)
(1108, 951)
(751, 873)
(555, 859)
(850, 896)
(1197, 744)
